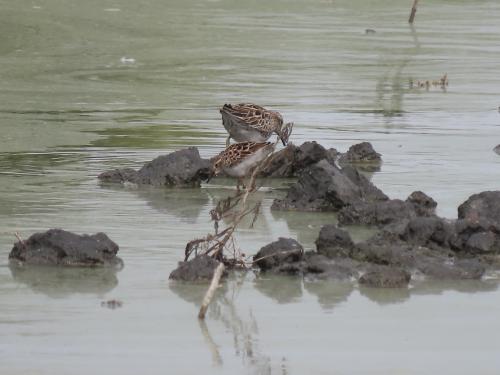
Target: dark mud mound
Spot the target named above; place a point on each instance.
(183, 168)
(57, 247)
(292, 160)
(198, 269)
(325, 187)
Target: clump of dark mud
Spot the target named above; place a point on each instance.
(411, 241)
(183, 168)
(199, 269)
(57, 247)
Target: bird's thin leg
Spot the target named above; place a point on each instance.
(253, 186)
(238, 184)
(228, 140)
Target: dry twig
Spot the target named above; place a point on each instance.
(413, 11)
(19, 238)
(211, 290)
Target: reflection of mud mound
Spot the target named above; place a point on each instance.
(330, 294)
(385, 296)
(464, 286)
(184, 204)
(282, 289)
(427, 287)
(59, 282)
(194, 292)
(306, 225)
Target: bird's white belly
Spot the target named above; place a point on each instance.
(242, 168)
(239, 134)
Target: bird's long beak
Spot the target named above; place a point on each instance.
(283, 139)
(211, 174)
(284, 133)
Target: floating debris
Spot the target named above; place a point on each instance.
(370, 31)
(497, 149)
(112, 304)
(442, 83)
(127, 60)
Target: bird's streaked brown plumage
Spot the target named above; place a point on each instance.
(246, 122)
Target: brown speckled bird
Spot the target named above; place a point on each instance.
(247, 122)
(239, 159)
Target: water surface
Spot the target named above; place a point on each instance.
(88, 86)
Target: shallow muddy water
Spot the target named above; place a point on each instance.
(88, 86)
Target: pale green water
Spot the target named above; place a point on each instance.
(73, 104)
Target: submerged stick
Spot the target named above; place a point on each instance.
(211, 290)
(216, 357)
(19, 238)
(413, 11)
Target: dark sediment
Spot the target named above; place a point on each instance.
(183, 168)
(200, 268)
(57, 247)
(334, 242)
(362, 156)
(324, 187)
(292, 160)
(284, 252)
(385, 277)
(411, 240)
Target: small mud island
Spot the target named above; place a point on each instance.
(411, 242)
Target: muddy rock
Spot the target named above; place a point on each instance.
(459, 269)
(310, 153)
(119, 176)
(482, 208)
(482, 242)
(57, 247)
(429, 231)
(475, 238)
(183, 168)
(362, 155)
(319, 267)
(333, 242)
(374, 251)
(292, 160)
(324, 187)
(422, 203)
(376, 213)
(385, 277)
(369, 192)
(478, 226)
(385, 212)
(283, 254)
(198, 269)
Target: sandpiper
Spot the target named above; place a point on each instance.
(247, 122)
(239, 159)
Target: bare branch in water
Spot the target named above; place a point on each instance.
(19, 238)
(413, 11)
(216, 244)
(211, 290)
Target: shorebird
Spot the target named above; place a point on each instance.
(247, 122)
(239, 159)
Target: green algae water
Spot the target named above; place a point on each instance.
(89, 86)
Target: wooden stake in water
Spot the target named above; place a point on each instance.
(211, 290)
(413, 11)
